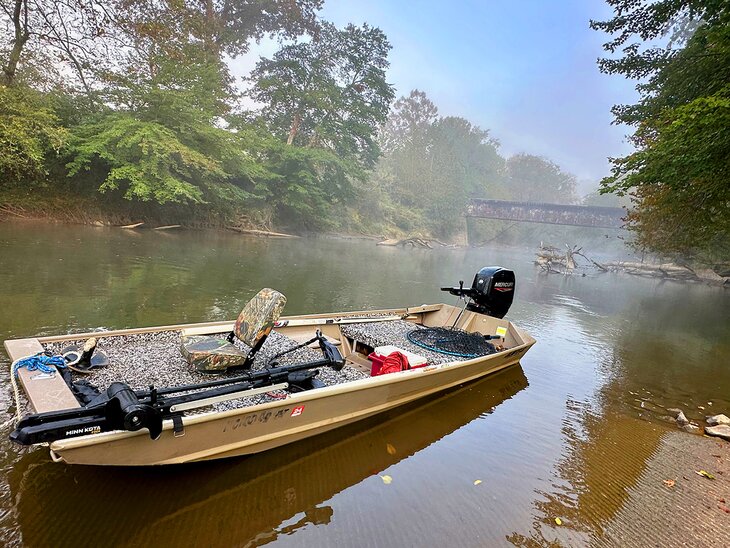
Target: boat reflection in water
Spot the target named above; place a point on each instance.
(241, 501)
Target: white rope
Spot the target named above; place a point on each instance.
(16, 395)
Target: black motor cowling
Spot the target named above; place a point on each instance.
(492, 291)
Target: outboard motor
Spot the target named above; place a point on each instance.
(491, 293)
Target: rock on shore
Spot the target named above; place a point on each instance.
(720, 431)
(718, 419)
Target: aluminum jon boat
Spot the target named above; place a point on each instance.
(193, 392)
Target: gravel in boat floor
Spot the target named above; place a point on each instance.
(154, 358)
(146, 359)
(392, 333)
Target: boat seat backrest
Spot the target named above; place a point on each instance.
(258, 317)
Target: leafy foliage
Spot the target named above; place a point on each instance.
(412, 116)
(678, 176)
(329, 93)
(71, 33)
(222, 26)
(29, 136)
(682, 178)
(435, 165)
(323, 100)
(305, 185)
(535, 179)
(145, 157)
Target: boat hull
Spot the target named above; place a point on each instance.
(253, 429)
(263, 427)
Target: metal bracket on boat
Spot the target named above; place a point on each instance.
(246, 392)
(178, 429)
(43, 376)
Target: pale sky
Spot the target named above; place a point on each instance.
(524, 69)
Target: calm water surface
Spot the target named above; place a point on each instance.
(565, 435)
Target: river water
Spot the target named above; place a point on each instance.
(567, 435)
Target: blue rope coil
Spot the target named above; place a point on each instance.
(40, 362)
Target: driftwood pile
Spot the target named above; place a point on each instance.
(554, 260)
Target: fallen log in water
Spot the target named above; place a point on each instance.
(413, 242)
(256, 232)
(134, 225)
(665, 270)
(552, 260)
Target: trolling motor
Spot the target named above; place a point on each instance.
(121, 408)
(491, 293)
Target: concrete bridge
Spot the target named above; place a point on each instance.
(554, 214)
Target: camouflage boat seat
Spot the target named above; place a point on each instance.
(254, 323)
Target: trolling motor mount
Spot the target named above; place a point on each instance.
(124, 410)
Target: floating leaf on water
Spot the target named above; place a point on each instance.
(669, 483)
(705, 474)
(477, 482)
(386, 479)
(558, 521)
(390, 449)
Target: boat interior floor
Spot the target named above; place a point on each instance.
(145, 359)
(395, 332)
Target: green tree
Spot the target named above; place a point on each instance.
(678, 175)
(162, 136)
(536, 179)
(405, 139)
(161, 141)
(323, 101)
(29, 136)
(408, 123)
(222, 26)
(463, 163)
(329, 92)
(432, 166)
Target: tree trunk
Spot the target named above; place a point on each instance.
(294, 128)
(20, 23)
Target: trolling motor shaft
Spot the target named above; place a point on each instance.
(121, 408)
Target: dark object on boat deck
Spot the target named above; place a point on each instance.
(84, 359)
(83, 390)
(304, 380)
(491, 293)
(121, 408)
(452, 341)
